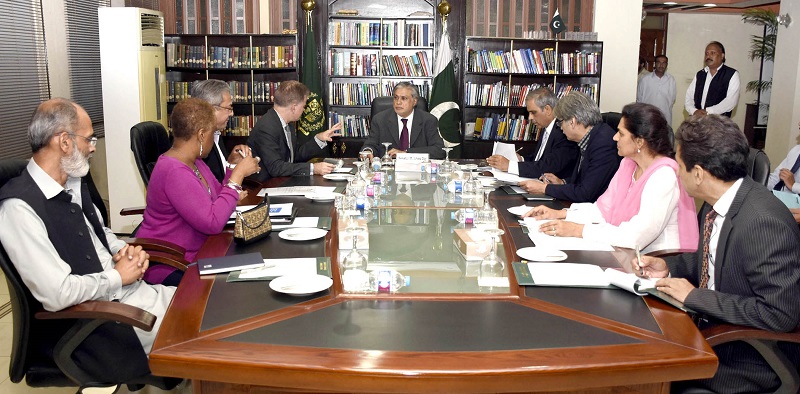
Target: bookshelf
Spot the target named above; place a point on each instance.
(253, 66)
(369, 46)
(498, 74)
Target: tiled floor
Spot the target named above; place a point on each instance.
(8, 387)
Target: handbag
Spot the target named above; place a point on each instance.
(252, 224)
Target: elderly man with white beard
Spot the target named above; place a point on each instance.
(53, 233)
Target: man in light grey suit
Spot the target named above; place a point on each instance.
(746, 269)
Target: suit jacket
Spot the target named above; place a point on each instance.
(424, 136)
(591, 177)
(214, 162)
(268, 141)
(757, 283)
(559, 157)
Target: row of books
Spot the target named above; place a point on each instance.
(415, 65)
(579, 63)
(352, 63)
(591, 90)
(196, 56)
(499, 127)
(388, 33)
(241, 92)
(352, 125)
(523, 61)
(498, 94)
(362, 93)
(239, 126)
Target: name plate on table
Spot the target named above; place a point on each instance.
(411, 162)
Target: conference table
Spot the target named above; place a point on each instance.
(441, 333)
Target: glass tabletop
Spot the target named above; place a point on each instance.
(429, 245)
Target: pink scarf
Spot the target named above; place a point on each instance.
(621, 201)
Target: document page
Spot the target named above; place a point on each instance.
(506, 150)
(560, 243)
(296, 190)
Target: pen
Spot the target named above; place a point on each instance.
(517, 151)
(544, 179)
(639, 261)
(239, 151)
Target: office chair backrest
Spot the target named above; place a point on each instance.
(148, 141)
(612, 119)
(385, 102)
(758, 166)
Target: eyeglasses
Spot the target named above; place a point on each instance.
(91, 140)
(221, 108)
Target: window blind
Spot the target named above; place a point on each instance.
(83, 54)
(23, 74)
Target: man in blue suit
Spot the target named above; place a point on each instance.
(579, 117)
(553, 153)
(745, 270)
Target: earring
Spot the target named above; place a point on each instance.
(638, 150)
(201, 148)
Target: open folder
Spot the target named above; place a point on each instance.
(588, 275)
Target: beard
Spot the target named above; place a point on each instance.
(76, 165)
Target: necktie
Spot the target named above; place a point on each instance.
(288, 133)
(707, 226)
(404, 136)
(780, 184)
(542, 143)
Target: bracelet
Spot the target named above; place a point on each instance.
(235, 186)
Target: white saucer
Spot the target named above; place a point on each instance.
(321, 197)
(338, 177)
(300, 285)
(302, 234)
(520, 210)
(535, 253)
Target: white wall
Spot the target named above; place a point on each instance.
(782, 129)
(618, 24)
(687, 37)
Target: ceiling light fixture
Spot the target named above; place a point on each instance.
(670, 3)
(709, 5)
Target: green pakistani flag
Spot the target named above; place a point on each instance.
(444, 95)
(313, 119)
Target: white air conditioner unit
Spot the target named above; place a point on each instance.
(134, 90)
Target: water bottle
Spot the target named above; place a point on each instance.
(376, 164)
(387, 281)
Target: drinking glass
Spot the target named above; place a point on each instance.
(363, 156)
(492, 266)
(386, 160)
(486, 217)
(354, 264)
(447, 167)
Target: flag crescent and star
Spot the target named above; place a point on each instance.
(443, 95)
(557, 24)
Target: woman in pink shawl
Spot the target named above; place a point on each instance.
(645, 204)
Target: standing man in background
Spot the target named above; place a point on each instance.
(218, 94)
(715, 88)
(658, 88)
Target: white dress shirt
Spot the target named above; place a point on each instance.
(659, 92)
(408, 126)
(787, 163)
(50, 278)
(655, 227)
(727, 104)
(721, 207)
(513, 166)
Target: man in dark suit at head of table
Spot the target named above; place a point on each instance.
(746, 269)
(553, 152)
(274, 138)
(579, 118)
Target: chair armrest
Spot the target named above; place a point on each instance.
(724, 333)
(131, 211)
(104, 310)
(168, 259)
(157, 245)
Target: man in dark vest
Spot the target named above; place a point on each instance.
(715, 88)
(54, 234)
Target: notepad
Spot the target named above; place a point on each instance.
(273, 268)
(235, 262)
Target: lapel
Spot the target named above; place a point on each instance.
(549, 142)
(725, 231)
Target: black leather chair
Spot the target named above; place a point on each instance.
(148, 141)
(758, 166)
(385, 102)
(91, 344)
(612, 119)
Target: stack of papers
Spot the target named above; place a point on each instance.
(506, 150)
(273, 268)
(512, 179)
(296, 190)
(560, 243)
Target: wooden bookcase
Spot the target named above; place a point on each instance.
(498, 73)
(366, 52)
(253, 65)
